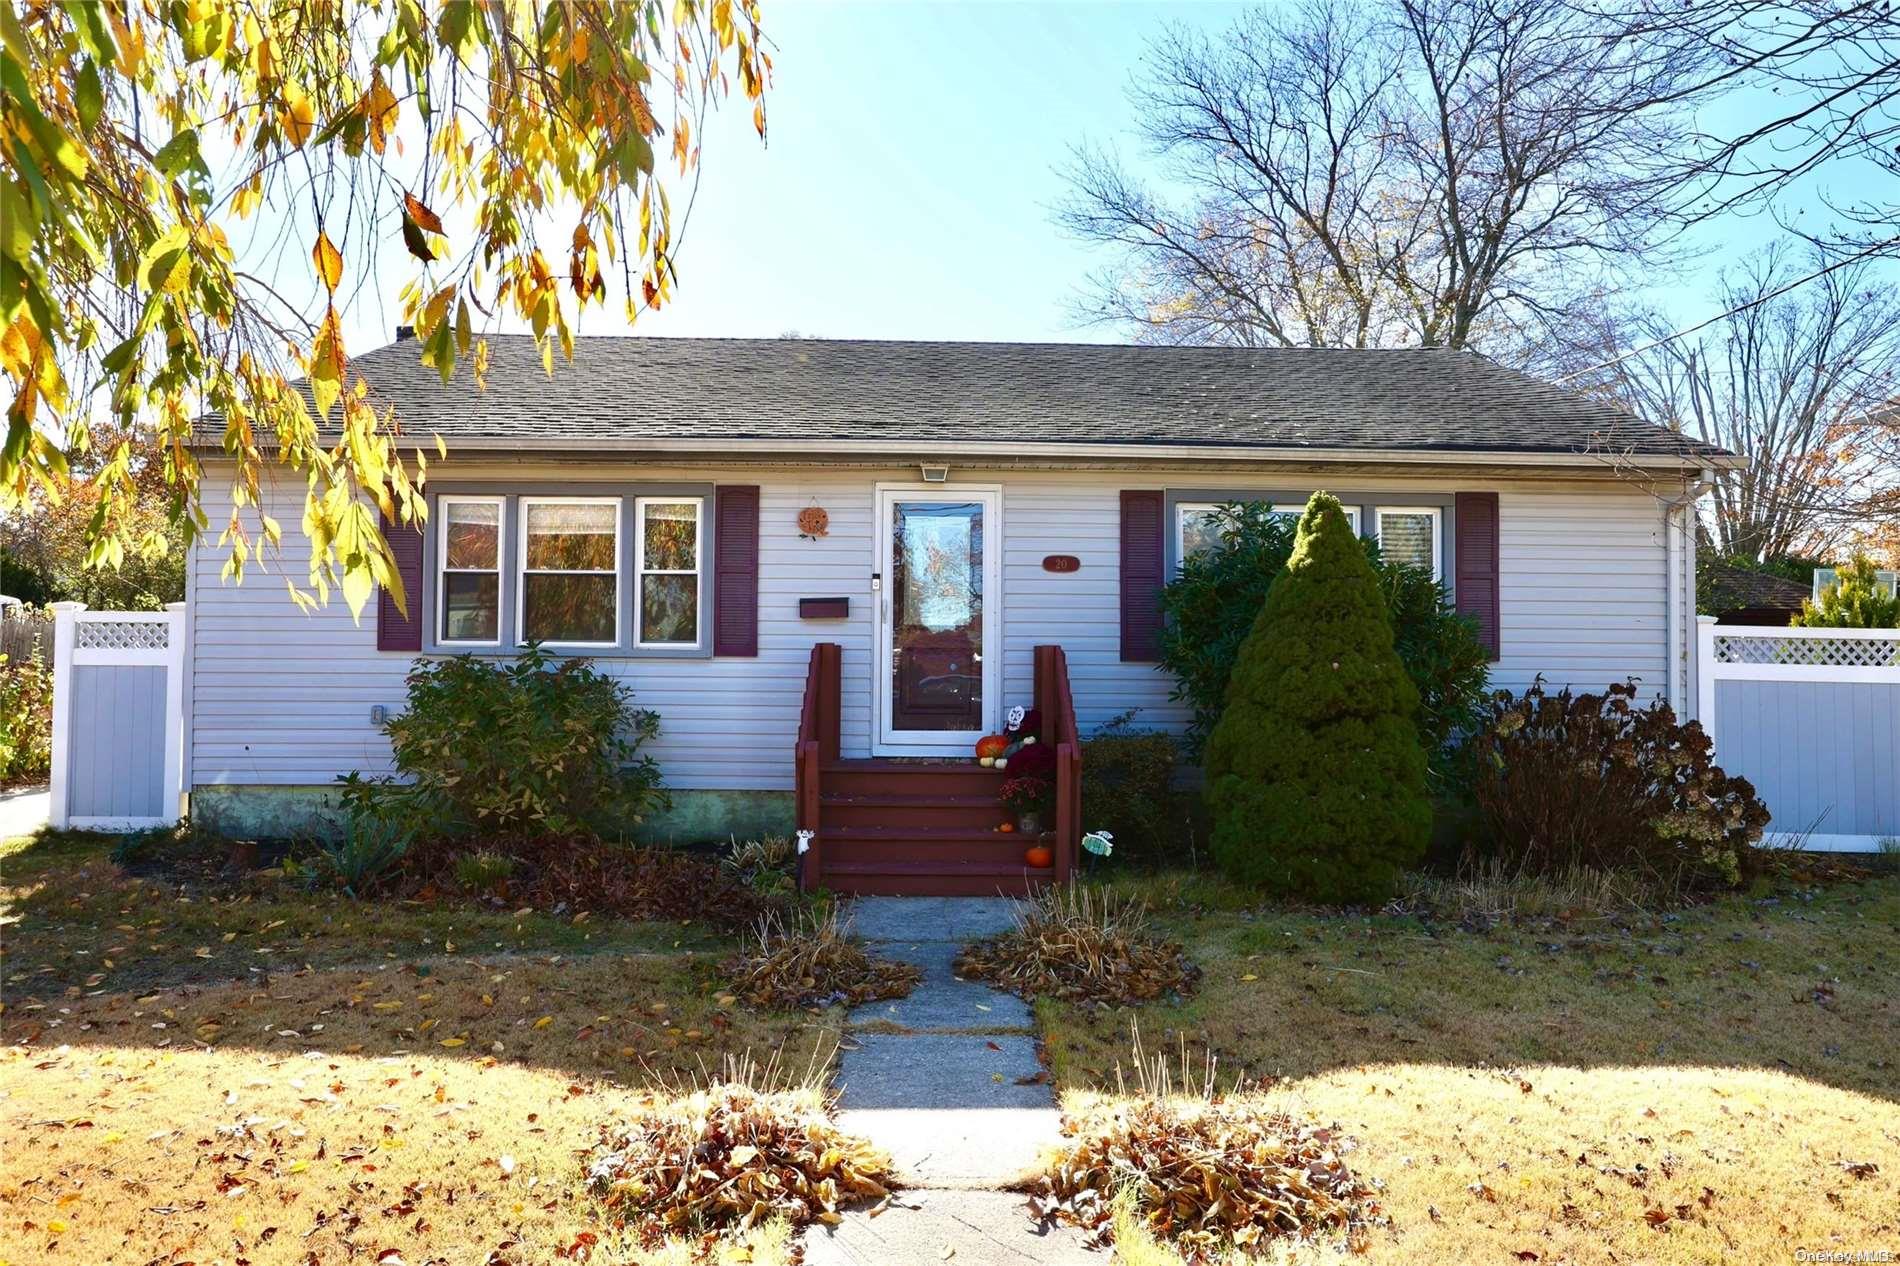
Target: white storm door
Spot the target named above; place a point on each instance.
(937, 673)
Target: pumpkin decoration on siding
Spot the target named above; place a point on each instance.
(989, 747)
(1038, 857)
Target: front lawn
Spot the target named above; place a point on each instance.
(1720, 1082)
(253, 1070)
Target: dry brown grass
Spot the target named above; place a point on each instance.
(177, 1086)
(809, 960)
(1659, 1165)
(1082, 945)
(1699, 1085)
(1491, 892)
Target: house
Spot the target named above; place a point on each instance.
(826, 563)
(1745, 595)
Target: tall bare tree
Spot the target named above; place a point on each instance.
(1357, 173)
(1804, 384)
(1812, 96)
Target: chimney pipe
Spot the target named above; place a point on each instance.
(404, 333)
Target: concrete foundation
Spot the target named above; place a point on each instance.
(259, 812)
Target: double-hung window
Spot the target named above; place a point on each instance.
(469, 594)
(570, 571)
(513, 568)
(668, 569)
(1410, 535)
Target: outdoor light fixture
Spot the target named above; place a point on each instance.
(935, 474)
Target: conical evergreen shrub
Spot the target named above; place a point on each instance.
(1316, 777)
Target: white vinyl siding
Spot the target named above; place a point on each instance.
(281, 696)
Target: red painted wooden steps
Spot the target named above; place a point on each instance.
(923, 827)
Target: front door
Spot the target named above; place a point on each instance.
(939, 653)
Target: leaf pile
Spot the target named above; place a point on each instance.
(731, 1155)
(580, 873)
(1207, 1174)
(809, 961)
(1082, 947)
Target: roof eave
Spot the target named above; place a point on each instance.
(909, 449)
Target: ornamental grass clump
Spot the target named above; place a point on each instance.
(1315, 772)
(731, 1155)
(809, 961)
(1082, 946)
(1209, 1174)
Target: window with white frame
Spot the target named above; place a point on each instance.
(1410, 535)
(667, 570)
(1196, 528)
(468, 550)
(1887, 582)
(570, 571)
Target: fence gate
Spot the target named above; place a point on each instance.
(1812, 718)
(118, 717)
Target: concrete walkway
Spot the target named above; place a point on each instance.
(23, 810)
(948, 1082)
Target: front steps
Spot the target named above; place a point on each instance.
(920, 828)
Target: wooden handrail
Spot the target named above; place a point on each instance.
(1057, 705)
(819, 723)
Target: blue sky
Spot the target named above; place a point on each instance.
(907, 185)
(913, 163)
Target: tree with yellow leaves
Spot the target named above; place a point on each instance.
(138, 135)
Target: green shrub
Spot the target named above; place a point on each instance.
(1316, 778)
(514, 750)
(1211, 605)
(1854, 601)
(26, 720)
(1567, 781)
(367, 855)
(1128, 791)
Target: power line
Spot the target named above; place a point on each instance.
(1757, 301)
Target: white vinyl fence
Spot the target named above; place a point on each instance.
(1812, 718)
(118, 717)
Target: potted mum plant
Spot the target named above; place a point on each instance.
(1029, 798)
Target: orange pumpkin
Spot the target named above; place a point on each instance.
(1038, 857)
(1007, 827)
(989, 747)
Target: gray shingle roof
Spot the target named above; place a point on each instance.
(1733, 588)
(623, 392)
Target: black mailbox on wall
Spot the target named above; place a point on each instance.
(823, 608)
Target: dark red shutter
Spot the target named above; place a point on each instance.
(1144, 561)
(736, 570)
(394, 630)
(1475, 579)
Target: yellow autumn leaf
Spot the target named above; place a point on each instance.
(388, 1006)
(453, 1042)
(297, 1167)
(329, 261)
(544, 1021)
(299, 117)
(56, 1226)
(1250, 976)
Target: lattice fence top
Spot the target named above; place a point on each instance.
(1823, 652)
(122, 635)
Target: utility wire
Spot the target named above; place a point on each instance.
(1756, 302)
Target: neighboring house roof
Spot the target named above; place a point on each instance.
(633, 393)
(1733, 588)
